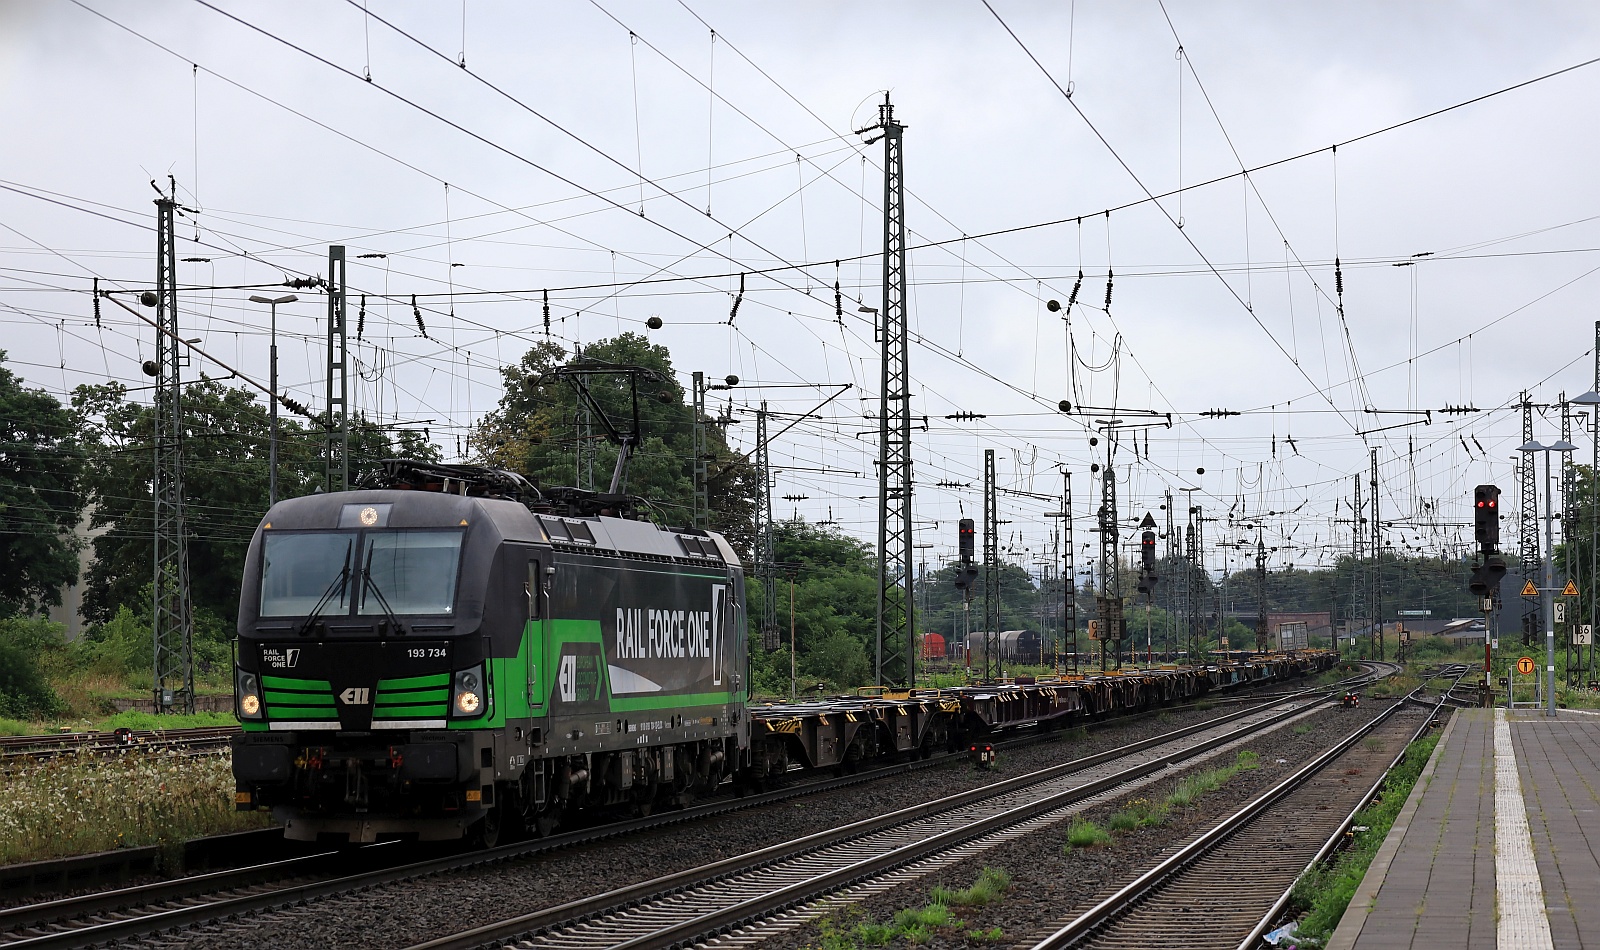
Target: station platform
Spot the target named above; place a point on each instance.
(1498, 846)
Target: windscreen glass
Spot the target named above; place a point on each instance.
(302, 570)
(410, 572)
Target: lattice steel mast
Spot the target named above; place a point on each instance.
(991, 571)
(1528, 517)
(1377, 564)
(173, 617)
(702, 505)
(1069, 573)
(1358, 562)
(336, 458)
(766, 549)
(896, 663)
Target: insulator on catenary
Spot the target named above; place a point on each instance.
(1077, 285)
(97, 303)
(1108, 290)
(547, 313)
(1338, 278)
(415, 312)
(361, 318)
(838, 298)
(737, 301)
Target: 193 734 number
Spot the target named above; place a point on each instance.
(424, 653)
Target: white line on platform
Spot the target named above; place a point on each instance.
(1523, 923)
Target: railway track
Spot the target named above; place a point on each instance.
(18, 748)
(1235, 878)
(187, 902)
(735, 894)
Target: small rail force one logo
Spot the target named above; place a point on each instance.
(369, 516)
(356, 696)
(281, 659)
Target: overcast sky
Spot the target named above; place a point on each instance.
(526, 172)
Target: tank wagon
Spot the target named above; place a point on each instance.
(447, 652)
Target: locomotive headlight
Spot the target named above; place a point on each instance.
(248, 688)
(468, 694)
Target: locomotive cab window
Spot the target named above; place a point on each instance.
(532, 586)
(306, 571)
(410, 572)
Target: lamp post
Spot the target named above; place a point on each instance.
(272, 403)
(1547, 592)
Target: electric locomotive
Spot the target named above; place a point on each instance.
(447, 652)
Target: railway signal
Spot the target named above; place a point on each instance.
(1486, 518)
(1486, 577)
(967, 572)
(1147, 555)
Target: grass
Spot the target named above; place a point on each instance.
(991, 885)
(1086, 834)
(918, 925)
(78, 804)
(1303, 729)
(1138, 813)
(1323, 893)
(1202, 783)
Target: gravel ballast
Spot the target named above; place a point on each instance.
(1051, 886)
(408, 913)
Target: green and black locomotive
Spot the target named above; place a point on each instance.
(447, 651)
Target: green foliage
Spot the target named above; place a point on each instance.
(40, 463)
(143, 721)
(1138, 813)
(225, 479)
(79, 804)
(539, 426)
(835, 610)
(1202, 783)
(24, 691)
(990, 887)
(917, 925)
(1083, 833)
(1020, 603)
(1323, 892)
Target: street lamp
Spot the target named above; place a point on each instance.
(1548, 590)
(272, 403)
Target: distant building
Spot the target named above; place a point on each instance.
(70, 613)
(1318, 625)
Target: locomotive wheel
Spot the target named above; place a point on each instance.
(486, 833)
(547, 821)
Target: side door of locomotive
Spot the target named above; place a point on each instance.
(537, 629)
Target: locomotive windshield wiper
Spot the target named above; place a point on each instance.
(371, 585)
(336, 586)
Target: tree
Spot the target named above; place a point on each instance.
(835, 607)
(540, 429)
(942, 610)
(40, 461)
(225, 476)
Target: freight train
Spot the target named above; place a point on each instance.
(447, 652)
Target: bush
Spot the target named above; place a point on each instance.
(24, 691)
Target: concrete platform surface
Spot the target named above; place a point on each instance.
(1497, 846)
